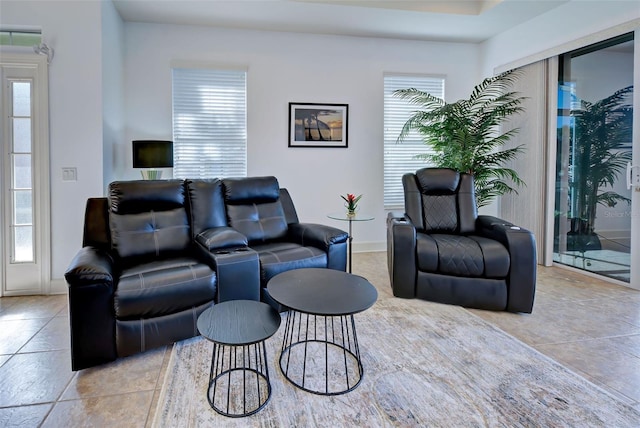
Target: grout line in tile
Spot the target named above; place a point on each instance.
(27, 405)
(65, 400)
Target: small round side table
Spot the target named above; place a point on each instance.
(239, 378)
(350, 219)
(320, 351)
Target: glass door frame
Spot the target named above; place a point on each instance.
(635, 195)
(635, 198)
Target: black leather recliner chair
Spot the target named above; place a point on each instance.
(441, 250)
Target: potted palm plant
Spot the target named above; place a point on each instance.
(602, 129)
(465, 135)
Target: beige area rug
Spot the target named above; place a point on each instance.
(425, 364)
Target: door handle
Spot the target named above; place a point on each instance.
(633, 180)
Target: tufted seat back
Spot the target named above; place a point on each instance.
(441, 203)
(163, 285)
(148, 218)
(254, 208)
(441, 200)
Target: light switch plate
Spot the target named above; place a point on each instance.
(69, 174)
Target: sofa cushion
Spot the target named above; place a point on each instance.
(258, 222)
(471, 256)
(150, 233)
(254, 208)
(496, 257)
(459, 255)
(163, 287)
(280, 257)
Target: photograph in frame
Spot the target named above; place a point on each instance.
(318, 125)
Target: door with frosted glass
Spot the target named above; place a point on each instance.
(594, 218)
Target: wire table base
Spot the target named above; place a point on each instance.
(320, 354)
(239, 379)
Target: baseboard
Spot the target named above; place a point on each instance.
(58, 286)
(369, 247)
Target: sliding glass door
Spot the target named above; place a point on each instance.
(594, 220)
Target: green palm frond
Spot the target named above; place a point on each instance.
(464, 135)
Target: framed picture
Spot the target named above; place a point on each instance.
(318, 125)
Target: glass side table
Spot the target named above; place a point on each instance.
(344, 217)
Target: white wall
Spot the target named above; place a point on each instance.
(541, 36)
(282, 68)
(285, 68)
(113, 119)
(72, 28)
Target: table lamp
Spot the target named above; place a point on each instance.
(150, 155)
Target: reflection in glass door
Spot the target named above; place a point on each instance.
(593, 221)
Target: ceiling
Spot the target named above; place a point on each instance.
(470, 21)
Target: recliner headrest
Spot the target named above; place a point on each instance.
(131, 197)
(438, 181)
(251, 189)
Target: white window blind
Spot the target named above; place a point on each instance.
(399, 158)
(209, 123)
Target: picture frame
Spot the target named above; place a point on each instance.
(318, 125)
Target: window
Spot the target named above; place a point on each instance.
(20, 159)
(20, 38)
(209, 123)
(399, 158)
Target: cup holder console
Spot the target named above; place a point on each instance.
(238, 269)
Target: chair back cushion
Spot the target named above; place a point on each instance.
(148, 218)
(440, 200)
(206, 205)
(254, 208)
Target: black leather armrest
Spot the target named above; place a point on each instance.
(221, 237)
(521, 245)
(500, 230)
(401, 254)
(316, 235)
(90, 266)
(489, 222)
(91, 314)
(329, 239)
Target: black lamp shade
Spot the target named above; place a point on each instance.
(152, 154)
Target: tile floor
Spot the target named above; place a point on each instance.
(588, 325)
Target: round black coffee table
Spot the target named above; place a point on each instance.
(320, 352)
(239, 378)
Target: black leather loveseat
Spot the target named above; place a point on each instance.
(156, 254)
